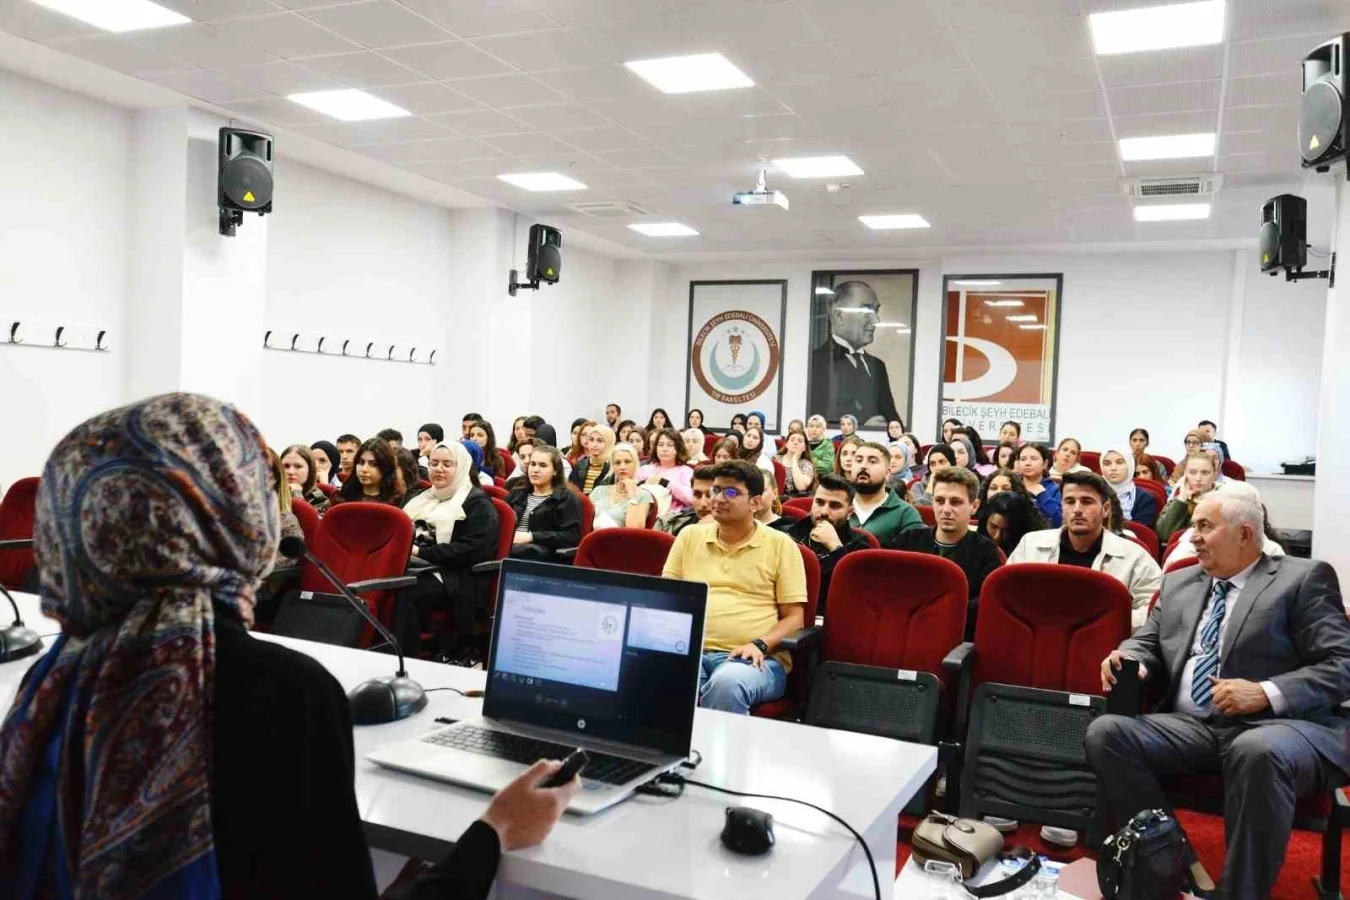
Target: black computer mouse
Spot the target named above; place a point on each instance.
(747, 831)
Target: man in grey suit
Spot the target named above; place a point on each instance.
(1255, 653)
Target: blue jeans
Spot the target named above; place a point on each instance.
(735, 685)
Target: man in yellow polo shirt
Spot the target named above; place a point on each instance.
(756, 592)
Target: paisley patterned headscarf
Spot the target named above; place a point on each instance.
(145, 516)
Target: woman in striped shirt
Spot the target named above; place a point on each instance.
(591, 469)
(548, 516)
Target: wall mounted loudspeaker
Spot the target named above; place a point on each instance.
(544, 263)
(1284, 234)
(243, 176)
(1324, 119)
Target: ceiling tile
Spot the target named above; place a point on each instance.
(118, 53)
(378, 23)
(28, 20)
(218, 10)
(397, 154)
(1253, 19)
(601, 83)
(562, 117)
(478, 18)
(1069, 132)
(1169, 168)
(1276, 56)
(287, 35)
(843, 20)
(363, 70)
(725, 26)
(205, 85)
(1056, 152)
(774, 64)
(1265, 90)
(507, 90)
(1259, 162)
(1282, 119)
(1185, 96)
(539, 51)
(441, 170)
(533, 143)
(597, 139)
(836, 94)
(448, 60)
(979, 15)
(1163, 66)
(283, 78)
(1059, 38)
(462, 148)
(276, 111)
(406, 128)
(1011, 74)
(1258, 142)
(306, 4)
(1097, 171)
(643, 38)
(486, 122)
(339, 134)
(1167, 123)
(204, 45)
(427, 98)
(755, 101)
(1037, 107)
(638, 159)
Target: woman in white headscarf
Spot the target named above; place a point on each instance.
(1118, 469)
(454, 528)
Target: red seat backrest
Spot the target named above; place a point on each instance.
(709, 441)
(780, 477)
(1092, 459)
(1049, 626)
(651, 516)
(493, 491)
(1234, 471)
(926, 513)
(508, 464)
(633, 550)
(329, 489)
(16, 524)
(1168, 463)
(308, 518)
(1181, 564)
(587, 514)
(801, 504)
(506, 533)
(359, 541)
(1155, 488)
(793, 512)
(1146, 536)
(868, 536)
(1172, 543)
(896, 610)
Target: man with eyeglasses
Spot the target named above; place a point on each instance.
(756, 592)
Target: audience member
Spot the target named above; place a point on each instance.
(290, 525)
(843, 455)
(1005, 455)
(981, 454)
(1033, 461)
(1066, 459)
(1084, 541)
(694, 419)
(619, 500)
(756, 419)
(177, 777)
(875, 508)
(612, 413)
(412, 478)
(738, 423)
(826, 530)
(518, 433)
(1010, 432)
(693, 445)
(949, 426)
(347, 445)
(1007, 517)
(754, 452)
(955, 502)
(1192, 443)
(467, 422)
(895, 430)
(940, 456)
(454, 529)
(327, 462)
(658, 420)
(898, 471)
(521, 457)
(577, 449)
(1146, 468)
(1199, 476)
(1001, 480)
(725, 450)
(428, 436)
(1209, 431)
(391, 436)
(1138, 442)
(302, 475)
(641, 442)
(475, 451)
(669, 467)
(917, 464)
(797, 425)
(532, 424)
(1254, 652)
(376, 476)
(770, 507)
(624, 430)
(1136, 504)
(822, 450)
(593, 467)
(848, 426)
(548, 516)
(1185, 549)
(481, 433)
(756, 593)
(800, 471)
(967, 457)
(701, 491)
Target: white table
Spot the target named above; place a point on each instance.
(645, 848)
(1288, 498)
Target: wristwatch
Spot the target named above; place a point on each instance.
(763, 647)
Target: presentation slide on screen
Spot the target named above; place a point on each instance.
(662, 630)
(561, 639)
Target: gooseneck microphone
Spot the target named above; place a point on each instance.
(18, 640)
(379, 700)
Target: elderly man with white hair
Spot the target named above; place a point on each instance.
(1184, 549)
(1254, 652)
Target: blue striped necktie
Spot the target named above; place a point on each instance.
(1207, 661)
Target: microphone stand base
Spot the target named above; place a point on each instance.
(17, 642)
(388, 698)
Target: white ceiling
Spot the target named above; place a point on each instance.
(992, 118)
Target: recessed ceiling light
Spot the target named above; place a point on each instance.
(1032, 327)
(1026, 318)
(1004, 303)
(543, 181)
(818, 166)
(349, 105)
(977, 282)
(1167, 146)
(663, 229)
(117, 15)
(687, 74)
(1157, 27)
(1172, 212)
(902, 220)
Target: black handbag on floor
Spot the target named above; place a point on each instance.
(1145, 860)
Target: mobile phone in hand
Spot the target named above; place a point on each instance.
(575, 762)
(1124, 697)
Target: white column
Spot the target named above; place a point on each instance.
(1333, 447)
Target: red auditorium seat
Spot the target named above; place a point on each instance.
(633, 550)
(793, 700)
(508, 464)
(929, 517)
(329, 489)
(801, 504)
(16, 524)
(493, 491)
(1168, 463)
(1146, 536)
(1234, 471)
(1092, 459)
(361, 542)
(793, 512)
(709, 441)
(780, 477)
(308, 518)
(1181, 564)
(1155, 488)
(868, 536)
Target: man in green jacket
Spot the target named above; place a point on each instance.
(875, 507)
(822, 449)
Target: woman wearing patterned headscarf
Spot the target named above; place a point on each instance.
(131, 764)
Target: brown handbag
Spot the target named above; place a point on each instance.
(968, 844)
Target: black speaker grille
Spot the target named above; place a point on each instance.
(1270, 246)
(246, 182)
(1320, 121)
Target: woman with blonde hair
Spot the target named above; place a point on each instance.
(620, 500)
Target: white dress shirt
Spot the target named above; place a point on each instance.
(1185, 704)
(852, 355)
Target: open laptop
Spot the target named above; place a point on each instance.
(605, 661)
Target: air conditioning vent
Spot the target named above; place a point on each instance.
(609, 209)
(1184, 186)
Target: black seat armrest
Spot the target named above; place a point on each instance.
(959, 659)
(395, 583)
(418, 566)
(566, 553)
(802, 638)
(18, 544)
(491, 567)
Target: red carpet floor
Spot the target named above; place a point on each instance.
(1302, 861)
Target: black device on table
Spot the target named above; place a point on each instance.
(747, 831)
(571, 767)
(1124, 697)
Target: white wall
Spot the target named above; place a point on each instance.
(64, 166)
(1333, 457)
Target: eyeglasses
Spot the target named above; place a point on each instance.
(437, 464)
(731, 493)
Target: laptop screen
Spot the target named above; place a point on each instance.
(604, 654)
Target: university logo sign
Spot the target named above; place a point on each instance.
(735, 357)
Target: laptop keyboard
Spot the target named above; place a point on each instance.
(526, 751)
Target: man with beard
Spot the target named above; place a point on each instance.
(701, 489)
(612, 413)
(826, 530)
(876, 508)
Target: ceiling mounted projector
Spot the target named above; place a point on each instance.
(760, 196)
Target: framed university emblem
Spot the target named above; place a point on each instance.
(736, 351)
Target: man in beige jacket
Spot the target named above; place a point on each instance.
(1084, 541)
